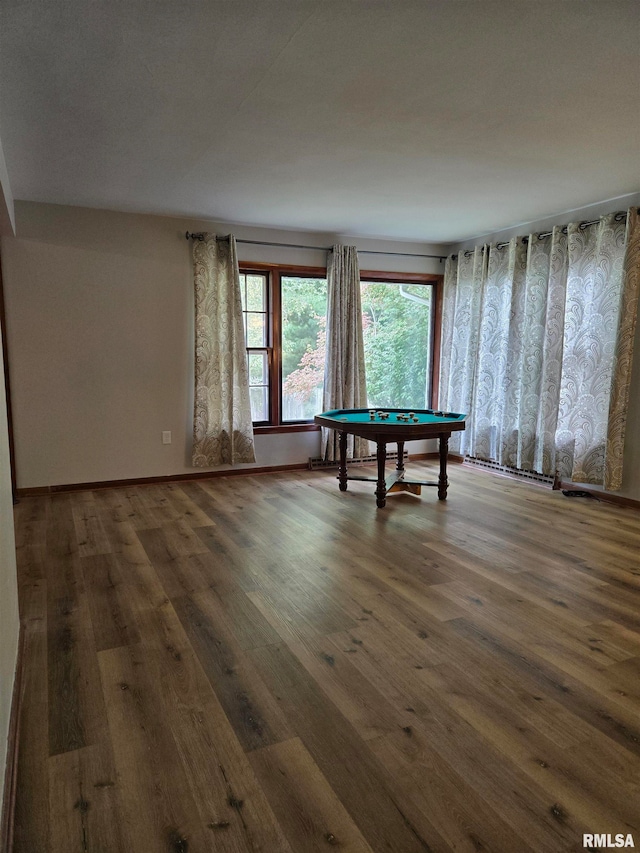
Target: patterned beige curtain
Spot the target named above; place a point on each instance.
(547, 265)
(344, 377)
(222, 430)
(623, 354)
(537, 348)
(600, 317)
(463, 285)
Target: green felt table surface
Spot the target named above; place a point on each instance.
(424, 416)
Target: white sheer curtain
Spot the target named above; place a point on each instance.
(344, 375)
(537, 349)
(222, 430)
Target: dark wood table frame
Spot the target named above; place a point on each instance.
(383, 433)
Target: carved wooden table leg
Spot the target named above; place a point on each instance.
(443, 482)
(400, 462)
(381, 489)
(342, 469)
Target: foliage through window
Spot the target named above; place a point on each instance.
(397, 328)
(304, 310)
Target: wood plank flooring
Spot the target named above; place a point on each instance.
(267, 664)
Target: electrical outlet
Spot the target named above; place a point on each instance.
(166, 437)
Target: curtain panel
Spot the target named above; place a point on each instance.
(344, 374)
(537, 346)
(623, 355)
(463, 287)
(222, 430)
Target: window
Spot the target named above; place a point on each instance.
(397, 320)
(304, 310)
(284, 311)
(254, 289)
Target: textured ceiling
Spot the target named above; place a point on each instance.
(431, 121)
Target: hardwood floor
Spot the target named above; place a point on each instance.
(267, 664)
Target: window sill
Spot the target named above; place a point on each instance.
(267, 429)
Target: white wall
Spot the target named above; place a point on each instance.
(592, 211)
(9, 619)
(100, 327)
(7, 211)
(631, 473)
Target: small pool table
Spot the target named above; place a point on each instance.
(393, 425)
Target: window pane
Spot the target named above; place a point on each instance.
(258, 368)
(256, 329)
(243, 290)
(396, 322)
(256, 293)
(259, 404)
(304, 309)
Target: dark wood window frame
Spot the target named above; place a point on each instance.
(274, 273)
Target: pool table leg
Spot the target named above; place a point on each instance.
(443, 483)
(342, 468)
(400, 462)
(381, 487)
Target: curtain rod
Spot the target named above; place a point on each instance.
(622, 214)
(200, 236)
